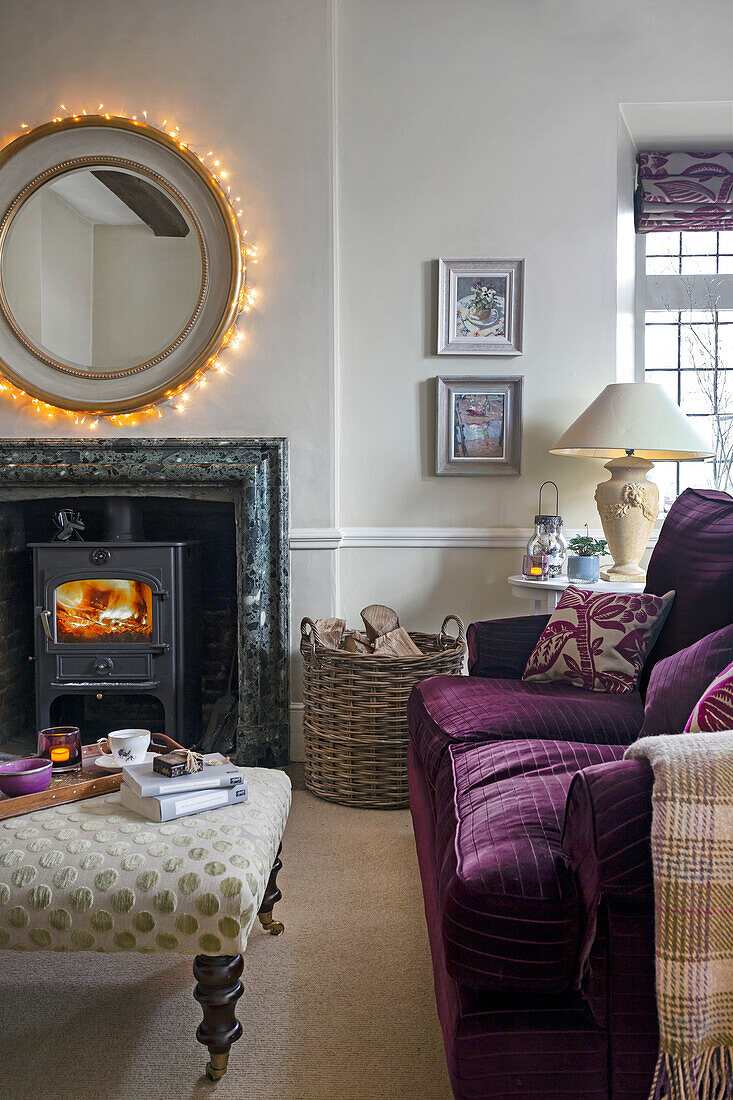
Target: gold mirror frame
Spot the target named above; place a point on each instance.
(185, 371)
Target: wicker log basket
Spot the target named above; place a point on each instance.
(355, 717)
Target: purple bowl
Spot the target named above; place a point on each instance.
(29, 775)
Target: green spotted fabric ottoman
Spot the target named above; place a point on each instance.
(94, 876)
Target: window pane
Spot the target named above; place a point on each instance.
(725, 265)
(662, 265)
(698, 265)
(697, 347)
(668, 379)
(660, 317)
(725, 346)
(697, 391)
(699, 244)
(725, 393)
(696, 475)
(725, 240)
(661, 346)
(665, 475)
(665, 244)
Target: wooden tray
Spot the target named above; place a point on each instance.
(75, 786)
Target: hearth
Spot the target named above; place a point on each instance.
(122, 618)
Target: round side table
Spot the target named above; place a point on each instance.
(546, 594)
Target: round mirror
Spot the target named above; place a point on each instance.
(120, 264)
(101, 269)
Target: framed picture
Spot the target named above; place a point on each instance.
(479, 427)
(480, 305)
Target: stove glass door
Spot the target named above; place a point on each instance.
(104, 611)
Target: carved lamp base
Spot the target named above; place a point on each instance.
(628, 505)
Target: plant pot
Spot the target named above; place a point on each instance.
(586, 569)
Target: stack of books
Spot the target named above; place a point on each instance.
(164, 798)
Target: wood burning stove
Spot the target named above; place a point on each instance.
(119, 617)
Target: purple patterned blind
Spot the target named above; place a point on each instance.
(684, 191)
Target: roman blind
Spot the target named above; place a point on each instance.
(684, 191)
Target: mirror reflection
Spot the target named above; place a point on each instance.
(101, 269)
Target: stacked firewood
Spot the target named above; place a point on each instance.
(382, 635)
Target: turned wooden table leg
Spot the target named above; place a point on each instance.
(218, 991)
(272, 896)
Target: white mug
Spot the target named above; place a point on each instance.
(125, 746)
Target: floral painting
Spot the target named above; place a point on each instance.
(478, 425)
(480, 306)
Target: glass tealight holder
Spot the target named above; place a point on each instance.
(62, 746)
(535, 567)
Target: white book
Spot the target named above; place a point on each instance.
(171, 806)
(148, 783)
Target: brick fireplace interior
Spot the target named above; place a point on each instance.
(208, 523)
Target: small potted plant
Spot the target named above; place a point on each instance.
(484, 300)
(583, 563)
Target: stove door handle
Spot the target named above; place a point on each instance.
(45, 616)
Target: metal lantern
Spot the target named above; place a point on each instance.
(548, 537)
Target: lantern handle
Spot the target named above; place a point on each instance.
(557, 497)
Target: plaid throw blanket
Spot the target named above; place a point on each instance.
(692, 855)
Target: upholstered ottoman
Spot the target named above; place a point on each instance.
(94, 876)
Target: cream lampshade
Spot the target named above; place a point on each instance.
(630, 423)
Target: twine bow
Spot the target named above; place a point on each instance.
(192, 759)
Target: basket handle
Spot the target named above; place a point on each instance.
(309, 631)
(445, 638)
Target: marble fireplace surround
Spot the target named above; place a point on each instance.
(253, 474)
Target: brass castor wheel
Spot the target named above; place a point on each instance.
(217, 1067)
(274, 927)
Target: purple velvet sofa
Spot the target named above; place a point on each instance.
(533, 838)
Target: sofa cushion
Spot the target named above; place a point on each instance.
(511, 914)
(677, 682)
(714, 711)
(598, 642)
(449, 709)
(694, 555)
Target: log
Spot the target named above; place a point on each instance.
(396, 643)
(352, 644)
(330, 631)
(379, 620)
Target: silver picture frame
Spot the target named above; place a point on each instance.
(479, 427)
(480, 307)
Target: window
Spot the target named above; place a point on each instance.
(687, 302)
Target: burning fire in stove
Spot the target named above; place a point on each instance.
(103, 610)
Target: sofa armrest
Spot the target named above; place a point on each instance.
(500, 648)
(607, 837)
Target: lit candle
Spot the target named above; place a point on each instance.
(59, 755)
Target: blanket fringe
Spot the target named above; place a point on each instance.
(707, 1077)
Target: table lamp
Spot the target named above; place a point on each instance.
(630, 423)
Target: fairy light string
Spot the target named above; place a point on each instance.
(176, 400)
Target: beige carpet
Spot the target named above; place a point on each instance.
(339, 1006)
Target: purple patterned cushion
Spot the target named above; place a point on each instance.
(448, 709)
(677, 682)
(694, 555)
(714, 711)
(511, 914)
(598, 642)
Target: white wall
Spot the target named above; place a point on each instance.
(365, 149)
